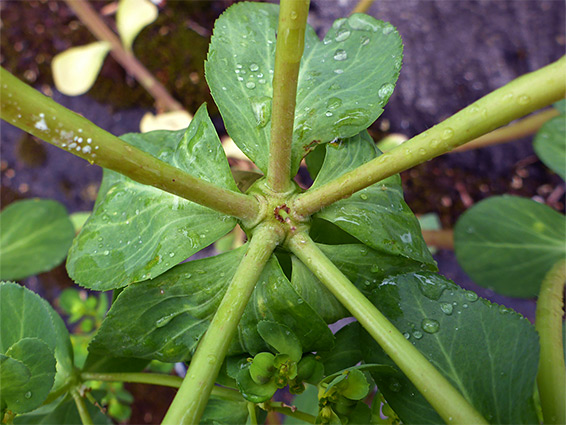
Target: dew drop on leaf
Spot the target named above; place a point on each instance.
(250, 85)
(385, 91)
(430, 326)
(334, 103)
(28, 395)
(364, 41)
(254, 67)
(430, 288)
(363, 22)
(470, 296)
(447, 308)
(364, 197)
(394, 385)
(417, 334)
(340, 55)
(342, 35)
(261, 107)
(163, 321)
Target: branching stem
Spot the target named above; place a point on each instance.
(81, 407)
(190, 401)
(514, 100)
(280, 407)
(434, 387)
(26, 108)
(551, 377)
(289, 50)
(100, 30)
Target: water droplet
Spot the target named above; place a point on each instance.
(394, 385)
(293, 15)
(356, 116)
(254, 67)
(364, 41)
(503, 309)
(407, 335)
(364, 197)
(364, 252)
(471, 296)
(375, 268)
(340, 55)
(435, 143)
(430, 326)
(164, 320)
(261, 107)
(524, 100)
(422, 151)
(334, 103)
(328, 113)
(431, 289)
(342, 34)
(338, 71)
(447, 308)
(387, 29)
(106, 252)
(250, 85)
(363, 22)
(417, 334)
(171, 254)
(447, 134)
(385, 91)
(28, 395)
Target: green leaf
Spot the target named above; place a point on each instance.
(377, 216)
(96, 363)
(357, 385)
(509, 243)
(251, 390)
(488, 352)
(26, 395)
(346, 352)
(306, 402)
(137, 232)
(262, 368)
(164, 318)
(226, 412)
(550, 145)
(62, 412)
(14, 375)
(344, 81)
(561, 106)
(36, 235)
(281, 338)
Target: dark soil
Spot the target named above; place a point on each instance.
(455, 52)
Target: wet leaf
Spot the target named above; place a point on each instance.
(281, 338)
(346, 352)
(228, 412)
(136, 231)
(164, 318)
(377, 216)
(344, 81)
(509, 243)
(550, 145)
(131, 17)
(36, 235)
(488, 352)
(75, 70)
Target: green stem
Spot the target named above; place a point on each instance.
(157, 379)
(252, 414)
(514, 131)
(26, 108)
(288, 411)
(289, 50)
(98, 28)
(362, 6)
(81, 407)
(442, 396)
(551, 377)
(514, 100)
(190, 401)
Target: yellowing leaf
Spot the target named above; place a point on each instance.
(175, 120)
(75, 70)
(133, 16)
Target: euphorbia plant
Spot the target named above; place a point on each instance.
(251, 318)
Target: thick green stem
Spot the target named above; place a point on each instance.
(362, 6)
(81, 407)
(442, 396)
(26, 108)
(514, 131)
(190, 401)
(551, 377)
(98, 28)
(289, 50)
(157, 379)
(288, 411)
(514, 100)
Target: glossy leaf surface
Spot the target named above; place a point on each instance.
(488, 352)
(36, 235)
(550, 145)
(164, 318)
(509, 243)
(226, 412)
(377, 216)
(344, 81)
(136, 231)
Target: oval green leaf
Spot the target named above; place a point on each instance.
(508, 244)
(133, 16)
(550, 145)
(344, 81)
(136, 232)
(36, 236)
(488, 352)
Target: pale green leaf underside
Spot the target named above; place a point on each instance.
(550, 145)
(509, 243)
(36, 356)
(36, 235)
(164, 318)
(137, 232)
(377, 216)
(344, 81)
(489, 353)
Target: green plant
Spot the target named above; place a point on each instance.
(251, 318)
